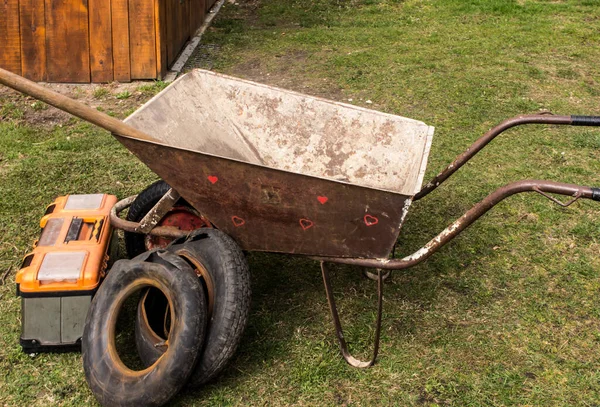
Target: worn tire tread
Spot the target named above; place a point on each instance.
(114, 385)
(229, 269)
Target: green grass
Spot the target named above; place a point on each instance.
(100, 92)
(124, 95)
(505, 315)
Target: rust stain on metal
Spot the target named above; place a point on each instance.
(270, 195)
(542, 187)
(338, 227)
(484, 141)
(161, 208)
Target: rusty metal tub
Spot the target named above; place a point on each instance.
(284, 172)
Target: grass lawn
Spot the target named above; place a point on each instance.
(507, 314)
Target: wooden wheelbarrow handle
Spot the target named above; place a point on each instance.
(71, 106)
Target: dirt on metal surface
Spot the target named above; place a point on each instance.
(284, 172)
(575, 192)
(259, 124)
(266, 209)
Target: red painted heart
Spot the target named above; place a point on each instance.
(237, 221)
(306, 224)
(370, 220)
(322, 199)
(213, 179)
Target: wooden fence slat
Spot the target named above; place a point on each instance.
(67, 41)
(33, 40)
(10, 44)
(101, 57)
(120, 40)
(209, 4)
(142, 39)
(178, 27)
(161, 36)
(197, 13)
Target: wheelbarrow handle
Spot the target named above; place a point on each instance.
(71, 106)
(585, 120)
(493, 133)
(543, 188)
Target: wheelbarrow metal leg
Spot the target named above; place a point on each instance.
(338, 325)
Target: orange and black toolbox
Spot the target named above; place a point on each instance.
(60, 276)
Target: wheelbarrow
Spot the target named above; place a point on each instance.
(283, 172)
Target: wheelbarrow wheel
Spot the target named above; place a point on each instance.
(182, 215)
(111, 381)
(220, 263)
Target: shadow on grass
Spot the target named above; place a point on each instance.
(289, 308)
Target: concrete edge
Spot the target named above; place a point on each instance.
(191, 46)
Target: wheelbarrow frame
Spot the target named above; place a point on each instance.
(149, 223)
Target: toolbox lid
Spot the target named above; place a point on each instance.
(90, 201)
(61, 266)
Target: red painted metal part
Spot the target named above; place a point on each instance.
(180, 217)
(129, 226)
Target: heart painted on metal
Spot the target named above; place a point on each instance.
(322, 199)
(237, 221)
(370, 220)
(306, 224)
(213, 179)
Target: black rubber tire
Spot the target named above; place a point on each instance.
(228, 269)
(153, 305)
(110, 380)
(135, 242)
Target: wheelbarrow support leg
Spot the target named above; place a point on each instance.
(352, 361)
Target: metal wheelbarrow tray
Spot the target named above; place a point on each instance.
(284, 172)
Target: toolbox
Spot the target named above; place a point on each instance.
(60, 276)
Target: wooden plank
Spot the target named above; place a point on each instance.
(33, 39)
(142, 39)
(10, 42)
(209, 4)
(67, 41)
(120, 40)
(101, 57)
(171, 30)
(178, 27)
(197, 13)
(161, 38)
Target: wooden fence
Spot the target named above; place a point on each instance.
(95, 40)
